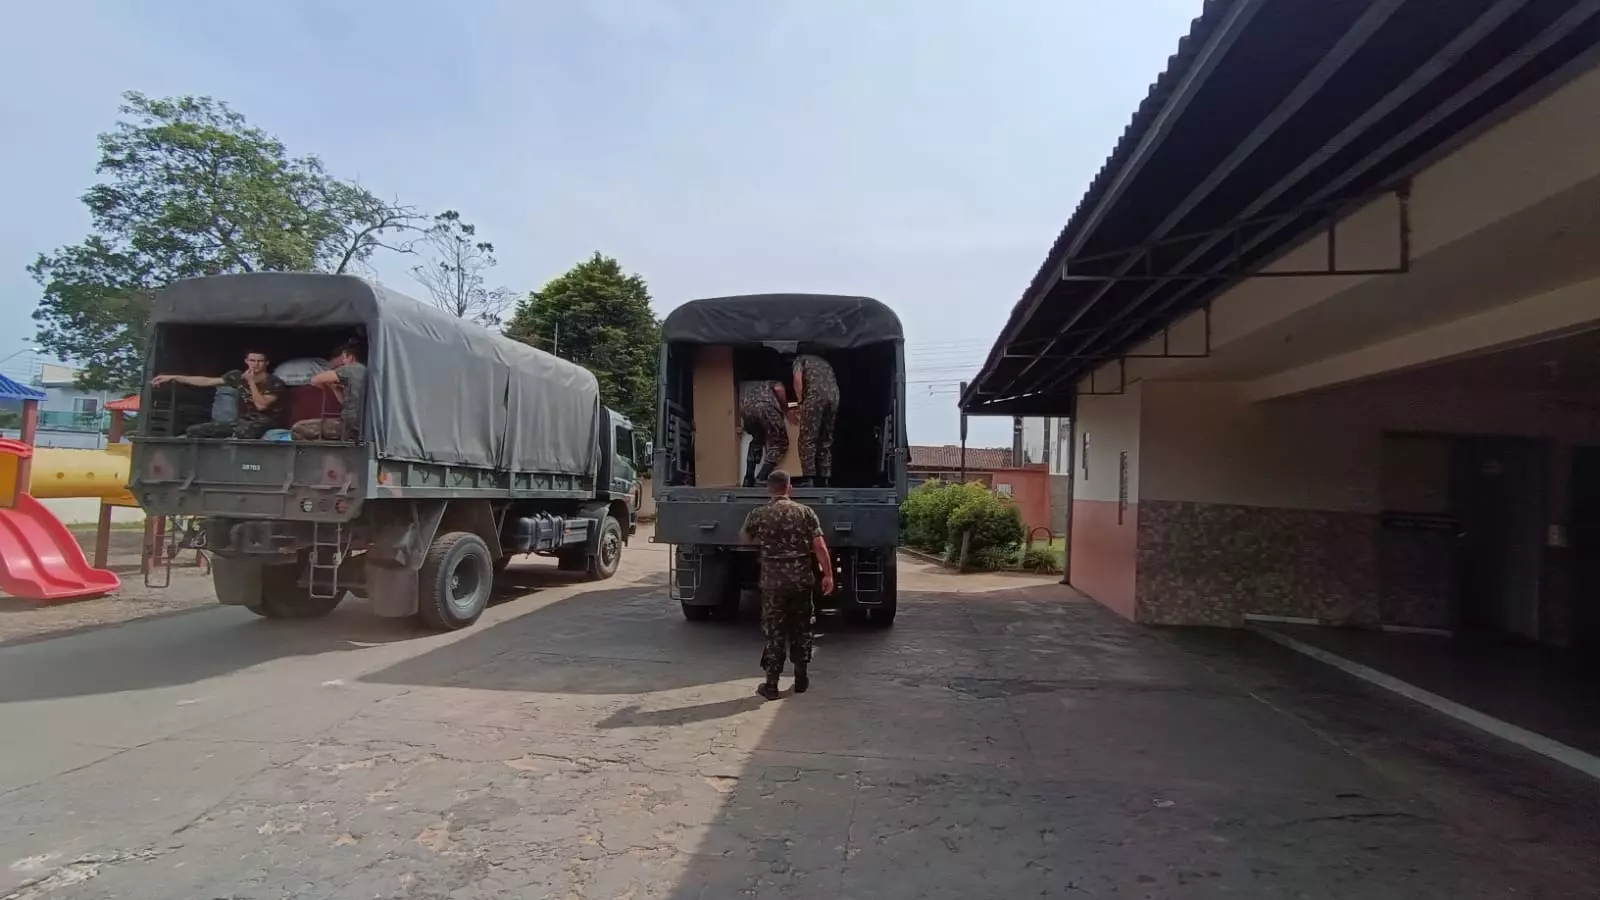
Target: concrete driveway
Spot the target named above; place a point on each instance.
(1006, 739)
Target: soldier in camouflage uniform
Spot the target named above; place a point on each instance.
(817, 391)
(762, 405)
(790, 537)
(261, 396)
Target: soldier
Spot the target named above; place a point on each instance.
(260, 396)
(790, 538)
(817, 392)
(761, 411)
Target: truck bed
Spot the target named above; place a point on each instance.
(312, 480)
(850, 517)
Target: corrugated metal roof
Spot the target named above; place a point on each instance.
(1335, 101)
(13, 390)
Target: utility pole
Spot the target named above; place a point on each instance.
(963, 393)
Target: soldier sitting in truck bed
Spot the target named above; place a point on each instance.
(260, 399)
(346, 378)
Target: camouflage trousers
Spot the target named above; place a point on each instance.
(769, 438)
(817, 414)
(785, 616)
(243, 429)
(319, 430)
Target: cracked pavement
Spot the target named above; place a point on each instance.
(1006, 739)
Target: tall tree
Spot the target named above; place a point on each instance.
(599, 317)
(190, 188)
(455, 275)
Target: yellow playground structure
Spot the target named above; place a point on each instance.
(59, 473)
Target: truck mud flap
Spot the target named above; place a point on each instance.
(392, 590)
(238, 582)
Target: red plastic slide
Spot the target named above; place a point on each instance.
(40, 558)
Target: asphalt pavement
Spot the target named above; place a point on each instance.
(1006, 739)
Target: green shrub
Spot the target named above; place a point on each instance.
(916, 518)
(995, 524)
(1043, 560)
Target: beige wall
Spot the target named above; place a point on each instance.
(1206, 443)
(1112, 423)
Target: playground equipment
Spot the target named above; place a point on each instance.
(39, 558)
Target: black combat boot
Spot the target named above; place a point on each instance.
(763, 472)
(769, 688)
(802, 679)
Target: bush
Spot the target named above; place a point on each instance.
(995, 524)
(936, 515)
(916, 518)
(1043, 560)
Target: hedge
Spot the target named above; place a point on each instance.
(936, 515)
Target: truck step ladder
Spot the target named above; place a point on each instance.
(685, 580)
(327, 552)
(867, 575)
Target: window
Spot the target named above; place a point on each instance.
(1003, 489)
(622, 452)
(86, 406)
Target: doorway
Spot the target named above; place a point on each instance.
(1498, 488)
(1584, 538)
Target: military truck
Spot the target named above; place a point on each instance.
(473, 448)
(708, 347)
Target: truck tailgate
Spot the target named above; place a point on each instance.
(247, 479)
(850, 517)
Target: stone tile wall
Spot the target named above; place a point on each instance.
(1210, 564)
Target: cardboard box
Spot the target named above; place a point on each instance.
(717, 462)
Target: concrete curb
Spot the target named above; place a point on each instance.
(1568, 756)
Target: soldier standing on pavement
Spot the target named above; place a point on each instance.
(761, 411)
(817, 392)
(790, 537)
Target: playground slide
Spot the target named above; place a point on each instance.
(40, 558)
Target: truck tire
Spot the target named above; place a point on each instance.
(697, 613)
(608, 551)
(456, 581)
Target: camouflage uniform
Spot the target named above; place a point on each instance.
(785, 529)
(252, 423)
(353, 380)
(819, 407)
(763, 421)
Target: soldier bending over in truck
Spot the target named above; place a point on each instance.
(761, 411)
(817, 391)
(790, 537)
(346, 378)
(260, 399)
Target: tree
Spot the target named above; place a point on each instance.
(455, 276)
(599, 317)
(192, 189)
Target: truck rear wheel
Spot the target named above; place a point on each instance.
(608, 555)
(456, 580)
(697, 613)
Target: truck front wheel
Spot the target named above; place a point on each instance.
(608, 555)
(456, 580)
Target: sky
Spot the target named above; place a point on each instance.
(925, 154)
